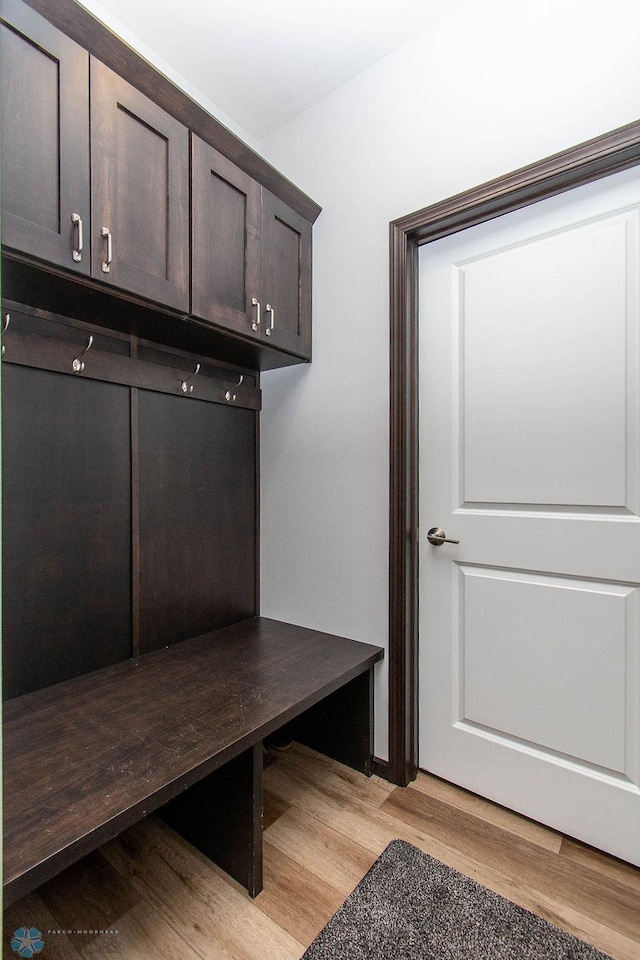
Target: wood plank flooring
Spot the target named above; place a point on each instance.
(325, 825)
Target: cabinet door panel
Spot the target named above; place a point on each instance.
(140, 192)
(45, 138)
(225, 241)
(197, 475)
(66, 477)
(286, 277)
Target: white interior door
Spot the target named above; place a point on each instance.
(529, 456)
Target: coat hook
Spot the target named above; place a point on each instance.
(78, 363)
(231, 397)
(7, 321)
(187, 387)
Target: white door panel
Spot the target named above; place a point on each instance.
(538, 364)
(529, 445)
(526, 633)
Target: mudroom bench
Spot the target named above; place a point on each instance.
(178, 731)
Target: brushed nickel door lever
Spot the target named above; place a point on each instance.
(437, 536)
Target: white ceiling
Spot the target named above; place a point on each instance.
(265, 61)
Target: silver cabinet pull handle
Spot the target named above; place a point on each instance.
(77, 253)
(436, 536)
(269, 329)
(106, 264)
(256, 303)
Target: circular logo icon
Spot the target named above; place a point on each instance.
(27, 941)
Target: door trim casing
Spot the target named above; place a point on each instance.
(610, 153)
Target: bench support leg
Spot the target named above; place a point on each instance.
(341, 725)
(221, 815)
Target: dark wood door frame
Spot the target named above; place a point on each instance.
(600, 157)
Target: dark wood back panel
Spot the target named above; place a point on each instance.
(197, 515)
(66, 474)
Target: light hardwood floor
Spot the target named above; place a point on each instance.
(325, 826)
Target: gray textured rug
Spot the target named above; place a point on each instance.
(412, 907)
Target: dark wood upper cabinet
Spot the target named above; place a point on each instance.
(225, 241)
(286, 277)
(45, 140)
(97, 180)
(140, 192)
(251, 256)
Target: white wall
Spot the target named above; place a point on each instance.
(135, 41)
(493, 87)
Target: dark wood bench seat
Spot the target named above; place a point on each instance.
(87, 758)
